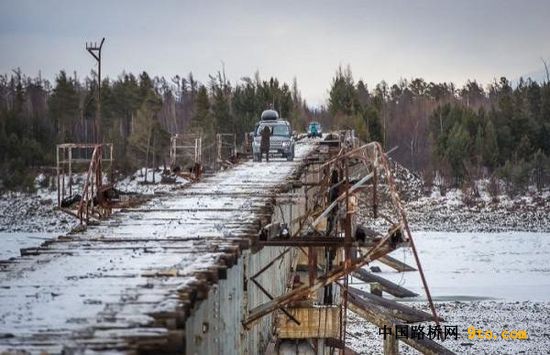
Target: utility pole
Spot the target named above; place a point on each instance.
(95, 51)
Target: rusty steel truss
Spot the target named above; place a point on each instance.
(341, 178)
(187, 148)
(72, 158)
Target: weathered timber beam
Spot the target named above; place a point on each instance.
(401, 311)
(319, 242)
(258, 196)
(387, 286)
(168, 239)
(184, 249)
(305, 241)
(175, 210)
(396, 264)
(425, 346)
(217, 244)
(372, 308)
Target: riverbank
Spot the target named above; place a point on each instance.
(483, 206)
(456, 212)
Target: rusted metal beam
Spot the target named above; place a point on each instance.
(319, 242)
(268, 265)
(348, 154)
(382, 248)
(305, 242)
(355, 187)
(271, 297)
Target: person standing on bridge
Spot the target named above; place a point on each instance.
(264, 143)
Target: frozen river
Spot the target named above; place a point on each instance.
(513, 266)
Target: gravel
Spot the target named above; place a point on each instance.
(491, 315)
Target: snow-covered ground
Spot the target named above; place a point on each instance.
(494, 315)
(471, 209)
(33, 213)
(136, 183)
(37, 212)
(26, 220)
(453, 211)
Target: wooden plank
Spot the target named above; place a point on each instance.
(425, 346)
(376, 289)
(386, 285)
(399, 310)
(396, 264)
(391, 345)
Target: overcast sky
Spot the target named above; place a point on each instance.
(439, 40)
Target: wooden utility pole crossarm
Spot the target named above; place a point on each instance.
(95, 51)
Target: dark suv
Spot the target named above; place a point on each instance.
(281, 141)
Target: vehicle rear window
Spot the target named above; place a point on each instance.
(276, 130)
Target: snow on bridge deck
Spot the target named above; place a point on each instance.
(123, 283)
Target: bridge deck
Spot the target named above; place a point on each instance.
(131, 281)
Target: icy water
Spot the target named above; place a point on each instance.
(513, 266)
(11, 243)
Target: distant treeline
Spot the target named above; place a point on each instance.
(460, 133)
(138, 115)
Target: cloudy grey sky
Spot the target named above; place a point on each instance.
(439, 40)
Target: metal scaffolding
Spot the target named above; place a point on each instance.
(185, 146)
(333, 246)
(72, 158)
(186, 149)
